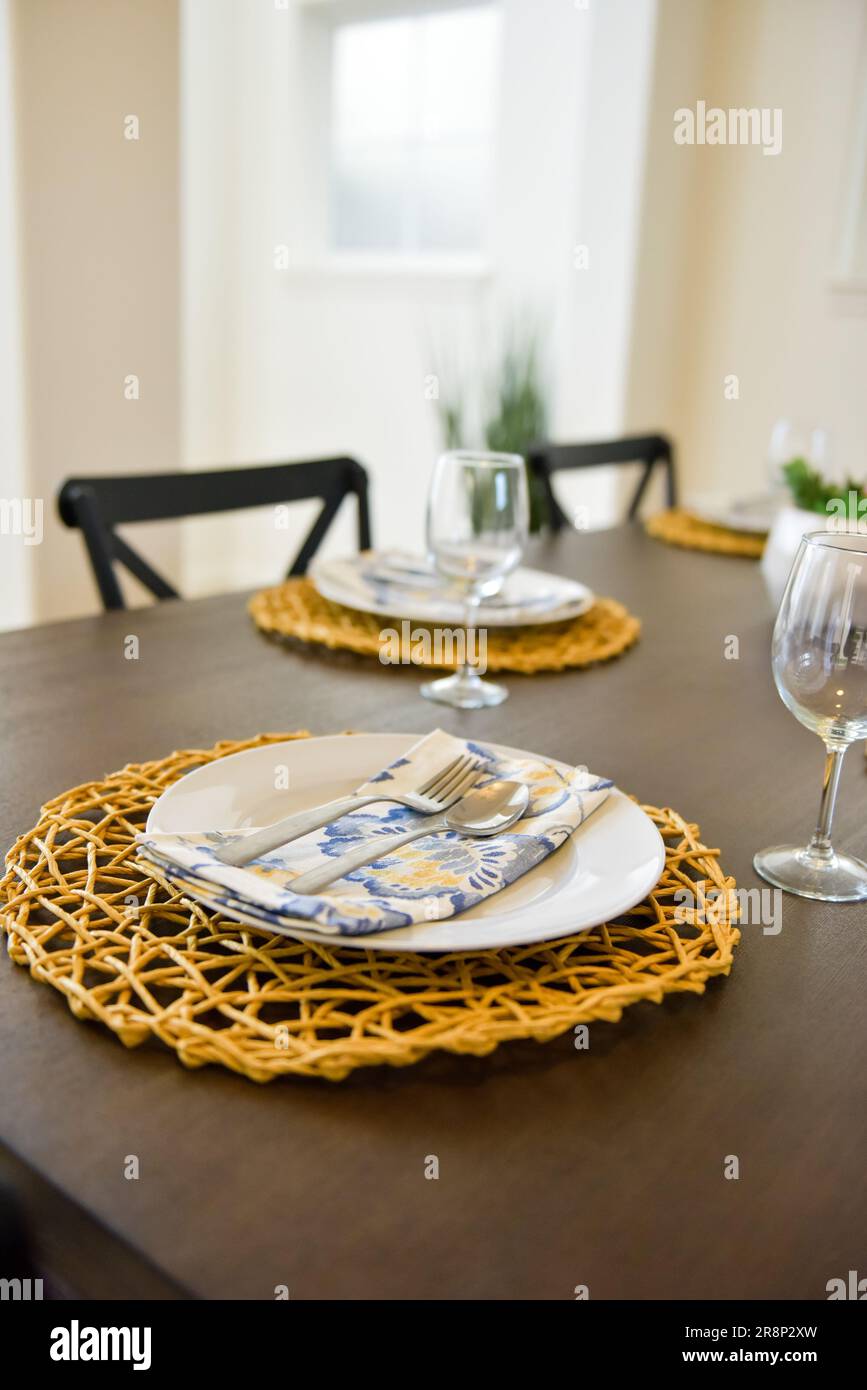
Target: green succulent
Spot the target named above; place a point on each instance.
(813, 493)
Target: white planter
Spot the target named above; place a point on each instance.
(789, 526)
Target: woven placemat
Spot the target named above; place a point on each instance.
(147, 962)
(295, 610)
(677, 527)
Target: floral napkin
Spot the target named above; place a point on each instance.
(431, 879)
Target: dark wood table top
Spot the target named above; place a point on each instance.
(557, 1167)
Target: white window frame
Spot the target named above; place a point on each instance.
(319, 19)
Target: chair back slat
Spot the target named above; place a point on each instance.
(648, 450)
(139, 567)
(96, 505)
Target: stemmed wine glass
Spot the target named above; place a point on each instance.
(820, 668)
(791, 439)
(477, 517)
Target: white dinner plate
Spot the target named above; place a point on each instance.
(392, 584)
(610, 863)
(754, 514)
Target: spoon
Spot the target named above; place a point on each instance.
(485, 811)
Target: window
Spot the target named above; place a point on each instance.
(413, 112)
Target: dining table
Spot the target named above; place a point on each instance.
(605, 1169)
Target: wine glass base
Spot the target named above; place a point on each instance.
(838, 879)
(465, 692)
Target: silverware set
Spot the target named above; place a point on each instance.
(447, 801)
(486, 811)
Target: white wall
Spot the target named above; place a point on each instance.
(739, 248)
(599, 301)
(326, 358)
(120, 241)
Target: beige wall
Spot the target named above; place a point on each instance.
(15, 562)
(99, 241)
(738, 248)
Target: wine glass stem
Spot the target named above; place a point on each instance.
(820, 845)
(468, 672)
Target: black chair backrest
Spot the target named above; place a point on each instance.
(95, 506)
(649, 450)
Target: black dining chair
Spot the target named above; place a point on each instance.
(544, 460)
(96, 505)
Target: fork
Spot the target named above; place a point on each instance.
(436, 795)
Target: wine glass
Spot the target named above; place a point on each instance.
(477, 517)
(791, 439)
(820, 668)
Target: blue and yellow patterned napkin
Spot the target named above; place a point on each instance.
(429, 880)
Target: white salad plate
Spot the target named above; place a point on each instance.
(609, 864)
(391, 584)
(754, 514)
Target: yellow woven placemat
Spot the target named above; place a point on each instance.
(296, 610)
(147, 962)
(677, 527)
